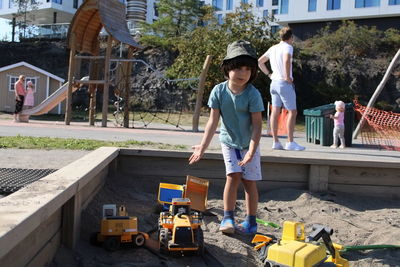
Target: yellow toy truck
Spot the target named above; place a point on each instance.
(294, 250)
(180, 229)
(118, 228)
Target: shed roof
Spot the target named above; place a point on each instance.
(23, 63)
(89, 19)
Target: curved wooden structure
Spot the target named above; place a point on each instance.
(88, 21)
(83, 35)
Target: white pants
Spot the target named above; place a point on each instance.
(338, 133)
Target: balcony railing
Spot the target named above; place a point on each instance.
(48, 31)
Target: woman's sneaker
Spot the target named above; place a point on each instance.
(277, 146)
(294, 146)
(227, 226)
(246, 228)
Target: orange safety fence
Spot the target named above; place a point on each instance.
(282, 129)
(380, 128)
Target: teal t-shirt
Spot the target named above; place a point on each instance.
(235, 110)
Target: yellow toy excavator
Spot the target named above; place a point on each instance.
(117, 228)
(180, 228)
(294, 250)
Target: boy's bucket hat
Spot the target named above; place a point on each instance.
(240, 48)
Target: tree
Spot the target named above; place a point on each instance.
(176, 17)
(212, 39)
(344, 63)
(24, 15)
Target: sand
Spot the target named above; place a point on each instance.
(355, 220)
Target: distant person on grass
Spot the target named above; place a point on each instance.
(239, 104)
(282, 87)
(19, 96)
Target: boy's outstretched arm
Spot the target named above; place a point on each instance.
(256, 120)
(209, 131)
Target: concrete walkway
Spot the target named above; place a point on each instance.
(169, 134)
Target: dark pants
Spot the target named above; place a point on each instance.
(19, 104)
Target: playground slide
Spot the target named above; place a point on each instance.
(52, 101)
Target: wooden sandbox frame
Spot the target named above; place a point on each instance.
(37, 219)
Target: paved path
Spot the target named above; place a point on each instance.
(168, 134)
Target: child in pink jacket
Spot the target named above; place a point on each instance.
(29, 99)
(338, 130)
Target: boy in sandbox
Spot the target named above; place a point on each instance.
(239, 104)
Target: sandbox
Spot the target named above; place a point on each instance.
(50, 221)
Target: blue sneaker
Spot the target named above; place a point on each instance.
(227, 226)
(245, 228)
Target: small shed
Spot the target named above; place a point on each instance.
(45, 84)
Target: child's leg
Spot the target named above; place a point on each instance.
(230, 195)
(230, 190)
(335, 137)
(341, 136)
(251, 174)
(233, 176)
(249, 225)
(251, 195)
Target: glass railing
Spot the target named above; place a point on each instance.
(49, 31)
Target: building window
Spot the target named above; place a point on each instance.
(1, 4)
(245, 1)
(312, 5)
(333, 4)
(275, 2)
(13, 79)
(57, 2)
(274, 12)
(284, 8)
(265, 13)
(220, 20)
(10, 4)
(367, 3)
(11, 82)
(394, 2)
(217, 4)
(260, 3)
(229, 4)
(75, 4)
(274, 29)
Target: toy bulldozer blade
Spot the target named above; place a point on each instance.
(196, 190)
(262, 240)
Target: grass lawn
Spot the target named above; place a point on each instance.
(26, 142)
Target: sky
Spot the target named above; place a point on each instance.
(5, 30)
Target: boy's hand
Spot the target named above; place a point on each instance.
(197, 154)
(247, 158)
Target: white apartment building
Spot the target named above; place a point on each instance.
(53, 16)
(48, 11)
(261, 8)
(306, 17)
